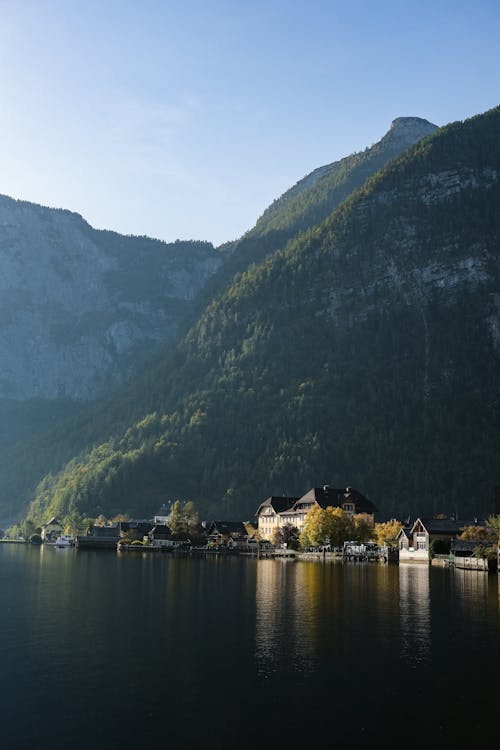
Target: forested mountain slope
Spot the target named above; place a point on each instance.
(365, 353)
(54, 429)
(312, 199)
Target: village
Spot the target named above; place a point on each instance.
(325, 523)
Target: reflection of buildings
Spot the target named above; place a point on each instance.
(287, 598)
(414, 612)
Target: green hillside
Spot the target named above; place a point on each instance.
(51, 442)
(313, 198)
(365, 353)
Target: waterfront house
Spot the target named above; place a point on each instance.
(414, 543)
(268, 514)
(230, 533)
(161, 536)
(51, 530)
(102, 537)
(276, 512)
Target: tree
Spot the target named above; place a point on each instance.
(73, 523)
(287, 534)
(386, 533)
(477, 533)
(329, 526)
(493, 524)
(28, 528)
(175, 518)
(191, 519)
(363, 527)
(340, 526)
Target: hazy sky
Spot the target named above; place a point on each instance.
(185, 119)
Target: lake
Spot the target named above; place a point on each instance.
(100, 649)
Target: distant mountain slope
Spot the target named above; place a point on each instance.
(366, 353)
(82, 309)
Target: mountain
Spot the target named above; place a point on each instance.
(366, 352)
(311, 199)
(309, 202)
(81, 309)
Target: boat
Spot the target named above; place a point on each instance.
(64, 540)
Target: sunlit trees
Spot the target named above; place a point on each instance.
(477, 533)
(386, 533)
(183, 519)
(175, 519)
(327, 526)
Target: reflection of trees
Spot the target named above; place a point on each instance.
(287, 597)
(471, 590)
(414, 611)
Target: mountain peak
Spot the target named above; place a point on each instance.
(411, 128)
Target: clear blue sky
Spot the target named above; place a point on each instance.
(186, 118)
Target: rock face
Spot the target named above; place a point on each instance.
(81, 309)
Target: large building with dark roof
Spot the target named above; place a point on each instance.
(277, 511)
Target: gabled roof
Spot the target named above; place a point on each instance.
(327, 496)
(404, 531)
(53, 522)
(446, 526)
(160, 530)
(227, 527)
(278, 503)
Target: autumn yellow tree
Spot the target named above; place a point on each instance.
(477, 533)
(327, 526)
(386, 533)
(312, 531)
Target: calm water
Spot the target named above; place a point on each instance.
(100, 650)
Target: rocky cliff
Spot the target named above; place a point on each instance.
(82, 309)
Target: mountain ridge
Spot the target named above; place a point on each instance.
(317, 337)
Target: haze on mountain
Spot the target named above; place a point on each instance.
(362, 349)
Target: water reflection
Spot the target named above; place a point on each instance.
(414, 613)
(287, 596)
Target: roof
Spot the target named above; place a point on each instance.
(446, 526)
(160, 530)
(327, 496)
(227, 527)
(467, 545)
(53, 522)
(404, 530)
(106, 531)
(278, 503)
